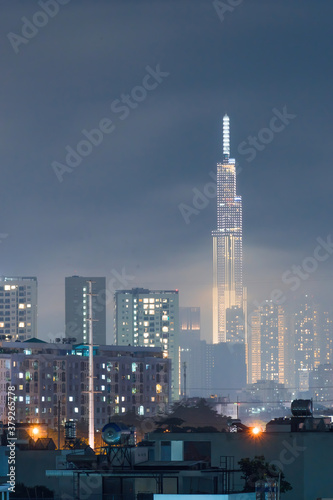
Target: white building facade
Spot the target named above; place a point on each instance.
(18, 308)
(150, 318)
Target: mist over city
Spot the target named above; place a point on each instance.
(166, 245)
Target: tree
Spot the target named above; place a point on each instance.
(187, 416)
(258, 468)
(22, 491)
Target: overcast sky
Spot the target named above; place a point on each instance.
(117, 212)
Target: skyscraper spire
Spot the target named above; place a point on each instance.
(228, 296)
(226, 137)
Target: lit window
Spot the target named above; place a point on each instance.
(123, 398)
(145, 301)
(20, 398)
(28, 305)
(21, 324)
(70, 398)
(20, 387)
(141, 410)
(76, 410)
(158, 388)
(123, 409)
(20, 375)
(2, 325)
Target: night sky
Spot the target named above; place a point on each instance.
(117, 212)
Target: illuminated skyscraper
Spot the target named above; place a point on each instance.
(77, 308)
(228, 296)
(150, 318)
(268, 331)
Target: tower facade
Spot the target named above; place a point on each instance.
(77, 309)
(228, 297)
(150, 318)
(268, 332)
(18, 308)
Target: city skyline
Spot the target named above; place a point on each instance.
(166, 311)
(102, 219)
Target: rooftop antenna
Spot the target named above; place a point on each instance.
(91, 371)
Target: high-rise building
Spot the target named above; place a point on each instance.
(18, 308)
(225, 369)
(321, 384)
(77, 309)
(150, 318)
(45, 375)
(267, 346)
(306, 342)
(254, 365)
(326, 336)
(192, 364)
(228, 297)
(192, 353)
(189, 319)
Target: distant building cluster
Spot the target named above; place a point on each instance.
(52, 378)
(271, 355)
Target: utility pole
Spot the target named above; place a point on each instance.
(59, 424)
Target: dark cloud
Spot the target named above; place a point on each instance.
(120, 207)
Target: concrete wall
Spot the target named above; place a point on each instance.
(306, 458)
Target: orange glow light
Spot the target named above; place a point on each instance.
(256, 431)
(35, 431)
